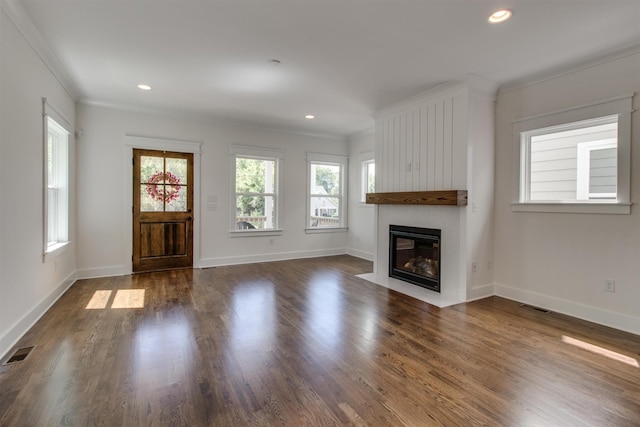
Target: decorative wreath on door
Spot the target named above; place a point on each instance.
(168, 192)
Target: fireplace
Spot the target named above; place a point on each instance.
(414, 255)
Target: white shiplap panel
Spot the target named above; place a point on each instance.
(416, 151)
(403, 144)
(439, 147)
(431, 147)
(379, 154)
(447, 138)
(396, 154)
(386, 162)
(424, 147)
(461, 141)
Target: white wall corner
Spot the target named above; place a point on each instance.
(480, 292)
(369, 256)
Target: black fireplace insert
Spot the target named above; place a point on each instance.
(414, 255)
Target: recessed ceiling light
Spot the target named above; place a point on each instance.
(144, 87)
(309, 116)
(500, 15)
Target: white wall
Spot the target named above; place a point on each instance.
(103, 218)
(27, 284)
(361, 241)
(560, 260)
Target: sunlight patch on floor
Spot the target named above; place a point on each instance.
(600, 350)
(99, 300)
(124, 298)
(129, 298)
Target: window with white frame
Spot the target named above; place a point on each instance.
(576, 165)
(56, 174)
(368, 179)
(255, 182)
(326, 191)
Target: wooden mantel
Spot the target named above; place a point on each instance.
(440, 198)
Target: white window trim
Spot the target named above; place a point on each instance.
(620, 106)
(62, 126)
(330, 159)
(256, 153)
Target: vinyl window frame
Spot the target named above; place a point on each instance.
(55, 182)
(620, 107)
(258, 153)
(329, 160)
(364, 178)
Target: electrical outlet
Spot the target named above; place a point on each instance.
(609, 285)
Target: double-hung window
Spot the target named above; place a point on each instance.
(326, 192)
(56, 183)
(256, 182)
(576, 160)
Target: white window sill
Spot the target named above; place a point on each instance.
(317, 230)
(255, 233)
(56, 250)
(574, 207)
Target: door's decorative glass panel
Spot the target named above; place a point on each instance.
(148, 203)
(150, 166)
(178, 200)
(163, 187)
(177, 168)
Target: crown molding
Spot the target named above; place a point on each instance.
(208, 118)
(584, 64)
(17, 14)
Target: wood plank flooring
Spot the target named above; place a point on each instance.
(306, 343)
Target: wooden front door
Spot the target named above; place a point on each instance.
(162, 210)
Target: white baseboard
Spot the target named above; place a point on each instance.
(481, 292)
(360, 254)
(18, 329)
(281, 256)
(93, 273)
(589, 313)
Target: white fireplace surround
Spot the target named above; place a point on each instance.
(442, 139)
(452, 271)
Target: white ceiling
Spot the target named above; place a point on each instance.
(341, 59)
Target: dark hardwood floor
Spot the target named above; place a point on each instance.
(306, 343)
